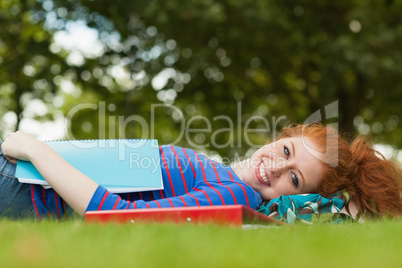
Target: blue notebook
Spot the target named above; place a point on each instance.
(118, 165)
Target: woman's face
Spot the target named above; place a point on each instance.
(284, 167)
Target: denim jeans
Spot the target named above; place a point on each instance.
(15, 197)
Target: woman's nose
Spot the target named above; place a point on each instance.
(277, 172)
(278, 167)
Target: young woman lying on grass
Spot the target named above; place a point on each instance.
(305, 159)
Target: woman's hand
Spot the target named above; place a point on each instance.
(72, 185)
(20, 146)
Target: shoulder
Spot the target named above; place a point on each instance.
(181, 153)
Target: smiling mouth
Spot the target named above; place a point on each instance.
(262, 175)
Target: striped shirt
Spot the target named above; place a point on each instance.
(189, 178)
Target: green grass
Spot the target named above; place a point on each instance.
(76, 244)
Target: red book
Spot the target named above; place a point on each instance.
(223, 215)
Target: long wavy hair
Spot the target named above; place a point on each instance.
(373, 181)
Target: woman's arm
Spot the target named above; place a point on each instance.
(73, 186)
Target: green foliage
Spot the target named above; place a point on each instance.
(272, 58)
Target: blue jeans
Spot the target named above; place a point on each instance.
(15, 197)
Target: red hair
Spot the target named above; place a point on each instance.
(373, 182)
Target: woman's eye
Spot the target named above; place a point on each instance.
(286, 151)
(295, 180)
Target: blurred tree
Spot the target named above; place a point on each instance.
(33, 68)
(27, 68)
(235, 64)
(286, 57)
